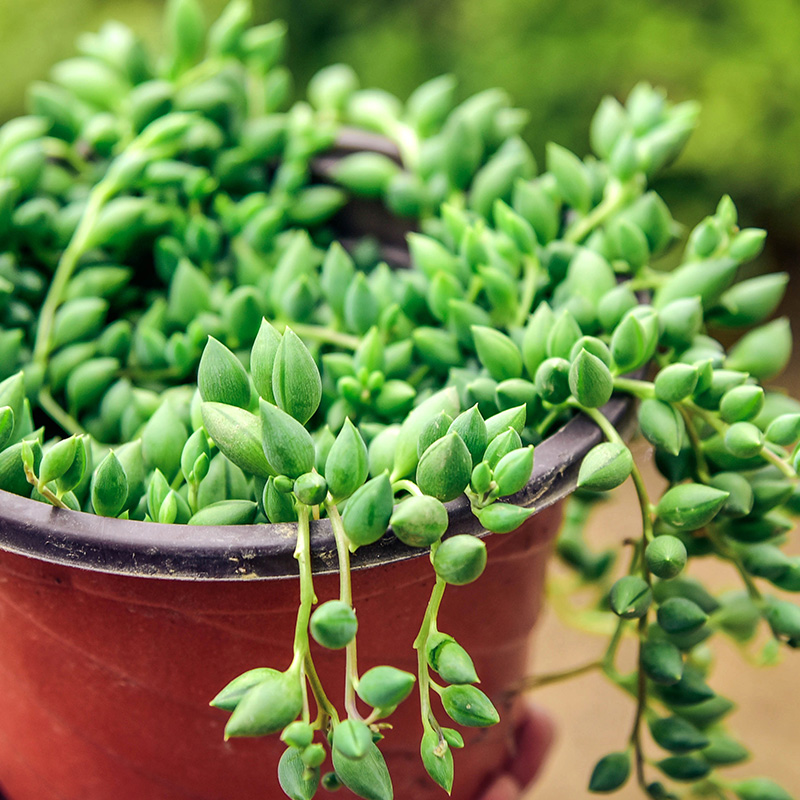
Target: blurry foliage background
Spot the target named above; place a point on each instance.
(556, 59)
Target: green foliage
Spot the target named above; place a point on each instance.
(437, 758)
(334, 624)
(460, 559)
(630, 597)
(385, 687)
(329, 385)
(469, 706)
(610, 773)
(268, 706)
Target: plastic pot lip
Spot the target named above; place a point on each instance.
(238, 552)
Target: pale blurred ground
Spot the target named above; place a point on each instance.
(594, 718)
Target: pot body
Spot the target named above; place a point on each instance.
(106, 678)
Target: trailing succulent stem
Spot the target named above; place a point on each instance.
(177, 300)
(304, 477)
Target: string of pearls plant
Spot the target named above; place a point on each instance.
(183, 339)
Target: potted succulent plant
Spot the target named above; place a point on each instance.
(263, 341)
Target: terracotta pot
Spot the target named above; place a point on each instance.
(116, 634)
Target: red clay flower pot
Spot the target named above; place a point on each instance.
(116, 634)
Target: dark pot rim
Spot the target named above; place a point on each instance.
(236, 552)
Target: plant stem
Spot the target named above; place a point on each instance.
(53, 499)
(612, 435)
(302, 553)
(99, 196)
(647, 534)
(777, 461)
(641, 389)
(616, 195)
(66, 421)
(326, 708)
(697, 445)
(421, 644)
(610, 656)
(730, 555)
(641, 706)
(537, 681)
(346, 596)
(647, 278)
(551, 417)
(408, 486)
(530, 279)
(721, 428)
(318, 333)
(707, 416)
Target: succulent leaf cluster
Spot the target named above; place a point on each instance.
(181, 299)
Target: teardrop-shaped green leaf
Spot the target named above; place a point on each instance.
(437, 759)
(677, 735)
(163, 439)
(221, 378)
(470, 426)
(385, 687)
(262, 359)
(662, 425)
(368, 511)
(630, 597)
(352, 738)
(469, 706)
(297, 781)
(230, 696)
(460, 559)
(605, 467)
(267, 707)
(237, 433)
(503, 517)
(366, 777)
(662, 662)
(109, 487)
(419, 521)
(513, 471)
(445, 468)
(610, 773)
(690, 505)
(296, 382)
(346, 466)
(226, 512)
(406, 456)
(497, 353)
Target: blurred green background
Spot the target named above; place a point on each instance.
(556, 58)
